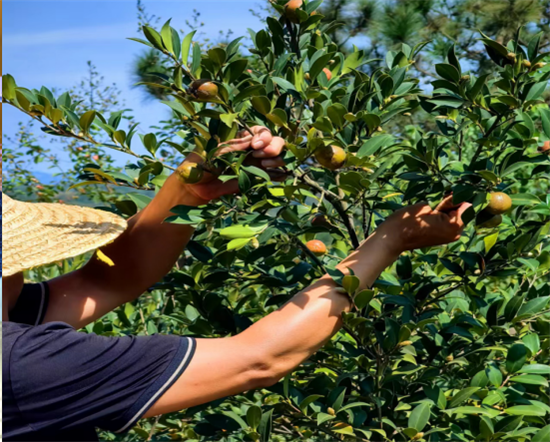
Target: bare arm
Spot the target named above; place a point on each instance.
(148, 249)
(276, 344)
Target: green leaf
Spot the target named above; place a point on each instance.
(284, 84)
(489, 412)
(166, 35)
(533, 306)
(350, 284)
(533, 49)
(254, 416)
(535, 369)
(448, 72)
(363, 298)
(154, 37)
(323, 417)
(86, 121)
(228, 119)
(524, 199)
(525, 410)
(196, 63)
(308, 400)
(517, 355)
(532, 342)
(531, 379)
(261, 104)
(185, 47)
(237, 244)
(494, 375)
(543, 435)
(490, 241)
(371, 146)
(476, 88)
(545, 119)
(8, 87)
(419, 416)
(462, 395)
(239, 231)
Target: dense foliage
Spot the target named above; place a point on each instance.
(452, 343)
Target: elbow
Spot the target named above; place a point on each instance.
(266, 372)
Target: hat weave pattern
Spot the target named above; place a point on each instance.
(35, 234)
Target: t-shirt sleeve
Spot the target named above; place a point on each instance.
(63, 379)
(31, 305)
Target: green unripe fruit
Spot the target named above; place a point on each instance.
(511, 56)
(488, 221)
(331, 411)
(190, 173)
(526, 63)
(450, 358)
(331, 157)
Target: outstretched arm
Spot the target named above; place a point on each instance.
(149, 247)
(276, 344)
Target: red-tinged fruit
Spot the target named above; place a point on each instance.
(290, 10)
(327, 73)
(545, 148)
(318, 248)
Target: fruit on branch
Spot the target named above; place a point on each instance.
(290, 10)
(418, 436)
(327, 73)
(488, 221)
(526, 63)
(450, 358)
(316, 247)
(203, 90)
(331, 411)
(332, 157)
(465, 78)
(539, 65)
(545, 148)
(511, 56)
(320, 220)
(499, 203)
(190, 173)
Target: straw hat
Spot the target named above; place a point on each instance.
(34, 234)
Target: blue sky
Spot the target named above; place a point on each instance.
(49, 42)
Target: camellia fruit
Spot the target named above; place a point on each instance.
(526, 63)
(499, 203)
(493, 221)
(190, 173)
(316, 247)
(203, 90)
(320, 220)
(327, 73)
(332, 157)
(290, 10)
(545, 148)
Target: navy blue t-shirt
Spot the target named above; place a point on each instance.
(59, 384)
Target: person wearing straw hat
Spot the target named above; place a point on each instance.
(60, 384)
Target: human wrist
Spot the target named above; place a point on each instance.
(184, 194)
(389, 238)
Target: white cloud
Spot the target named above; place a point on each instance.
(72, 35)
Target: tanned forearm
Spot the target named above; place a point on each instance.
(149, 247)
(293, 333)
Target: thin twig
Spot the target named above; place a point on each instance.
(336, 203)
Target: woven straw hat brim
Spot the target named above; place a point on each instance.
(35, 234)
